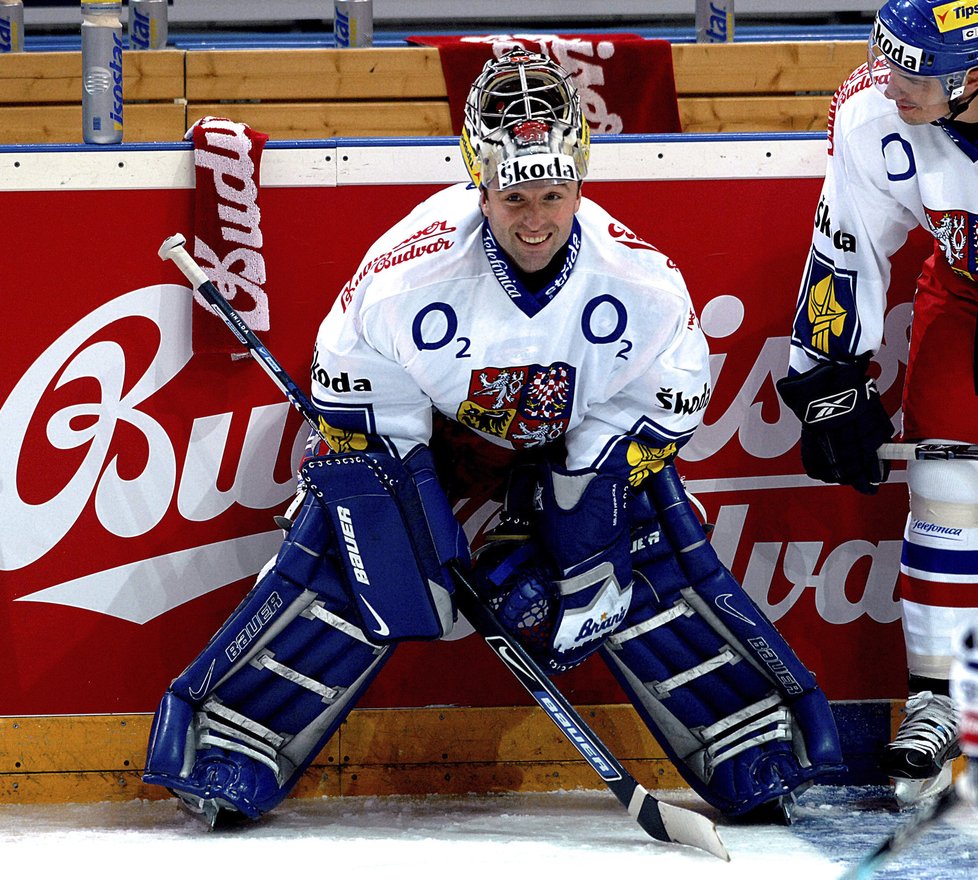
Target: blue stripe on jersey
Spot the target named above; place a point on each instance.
(939, 560)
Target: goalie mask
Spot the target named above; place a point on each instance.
(926, 41)
(524, 123)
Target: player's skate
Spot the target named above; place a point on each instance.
(919, 758)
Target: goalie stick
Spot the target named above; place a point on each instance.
(660, 820)
(664, 822)
(173, 249)
(927, 451)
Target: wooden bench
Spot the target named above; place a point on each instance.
(392, 92)
(760, 86)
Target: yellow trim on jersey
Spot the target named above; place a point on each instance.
(825, 314)
(645, 460)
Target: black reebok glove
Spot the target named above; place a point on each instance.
(843, 424)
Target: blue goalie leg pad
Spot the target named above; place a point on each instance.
(239, 726)
(364, 565)
(215, 758)
(730, 703)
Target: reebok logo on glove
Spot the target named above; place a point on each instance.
(830, 407)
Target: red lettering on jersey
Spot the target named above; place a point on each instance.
(858, 80)
(628, 238)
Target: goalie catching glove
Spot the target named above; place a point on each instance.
(557, 571)
(843, 424)
(725, 696)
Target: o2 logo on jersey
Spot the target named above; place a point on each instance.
(527, 405)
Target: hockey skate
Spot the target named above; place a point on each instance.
(919, 758)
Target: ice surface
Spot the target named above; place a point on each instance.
(583, 834)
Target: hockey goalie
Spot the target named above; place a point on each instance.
(508, 340)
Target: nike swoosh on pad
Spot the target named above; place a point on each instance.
(384, 629)
(195, 693)
(723, 603)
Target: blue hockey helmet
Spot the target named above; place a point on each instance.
(932, 38)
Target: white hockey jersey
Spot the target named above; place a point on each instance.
(435, 319)
(883, 179)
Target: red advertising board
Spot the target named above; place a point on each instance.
(139, 482)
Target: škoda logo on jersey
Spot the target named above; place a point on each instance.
(528, 405)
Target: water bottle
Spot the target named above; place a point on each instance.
(101, 33)
(714, 21)
(353, 23)
(147, 24)
(11, 26)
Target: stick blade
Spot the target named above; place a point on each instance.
(672, 824)
(690, 828)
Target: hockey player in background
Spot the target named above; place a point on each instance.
(964, 692)
(903, 142)
(507, 340)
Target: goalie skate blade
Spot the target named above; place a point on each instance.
(689, 828)
(779, 811)
(909, 792)
(210, 811)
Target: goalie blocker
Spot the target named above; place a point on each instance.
(237, 728)
(725, 696)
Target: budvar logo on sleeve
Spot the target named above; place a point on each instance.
(536, 166)
(953, 16)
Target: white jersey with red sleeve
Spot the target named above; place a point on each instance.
(883, 179)
(609, 357)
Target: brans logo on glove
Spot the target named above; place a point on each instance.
(604, 614)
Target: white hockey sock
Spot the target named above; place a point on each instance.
(939, 567)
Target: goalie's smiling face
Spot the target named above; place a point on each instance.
(533, 221)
